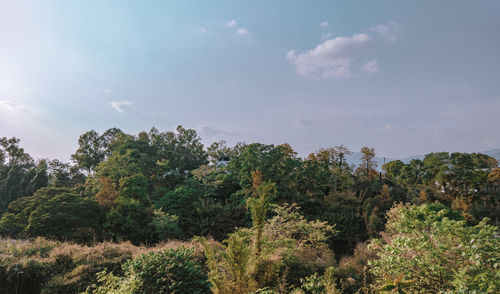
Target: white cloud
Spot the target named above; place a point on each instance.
(231, 23)
(323, 24)
(107, 91)
(330, 59)
(387, 31)
(370, 67)
(242, 32)
(326, 36)
(121, 106)
(203, 30)
(6, 105)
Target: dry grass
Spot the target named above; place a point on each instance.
(66, 267)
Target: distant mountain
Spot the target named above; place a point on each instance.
(355, 158)
(408, 159)
(493, 153)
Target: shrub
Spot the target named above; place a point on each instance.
(428, 249)
(292, 248)
(52, 212)
(52, 267)
(169, 271)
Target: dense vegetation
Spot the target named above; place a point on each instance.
(252, 218)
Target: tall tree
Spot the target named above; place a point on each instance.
(368, 164)
(259, 204)
(89, 153)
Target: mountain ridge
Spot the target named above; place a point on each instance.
(355, 157)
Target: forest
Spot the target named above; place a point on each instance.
(160, 212)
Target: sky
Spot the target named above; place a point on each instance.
(403, 77)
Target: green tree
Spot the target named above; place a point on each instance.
(166, 226)
(65, 216)
(19, 175)
(129, 220)
(277, 164)
(181, 203)
(393, 170)
(52, 212)
(291, 248)
(434, 248)
(263, 194)
(333, 161)
(89, 153)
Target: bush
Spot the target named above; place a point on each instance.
(170, 271)
(292, 249)
(52, 267)
(429, 247)
(52, 212)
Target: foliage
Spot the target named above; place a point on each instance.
(276, 164)
(366, 169)
(180, 203)
(464, 181)
(52, 212)
(292, 248)
(313, 284)
(111, 284)
(170, 271)
(433, 248)
(107, 194)
(166, 226)
(53, 267)
(128, 220)
(19, 175)
(351, 274)
(157, 186)
(259, 207)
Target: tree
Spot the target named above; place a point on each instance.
(393, 170)
(131, 216)
(14, 154)
(107, 194)
(291, 248)
(333, 160)
(217, 183)
(166, 226)
(52, 212)
(89, 153)
(434, 248)
(182, 149)
(65, 216)
(129, 220)
(263, 194)
(19, 176)
(217, 151)
(494, 176)
(277, 164)
(182, 203)
(345, 211)
(368, 165)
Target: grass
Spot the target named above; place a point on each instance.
(44, 266)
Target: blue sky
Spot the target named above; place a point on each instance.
(405, 78)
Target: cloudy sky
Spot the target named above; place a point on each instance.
(404, 77)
